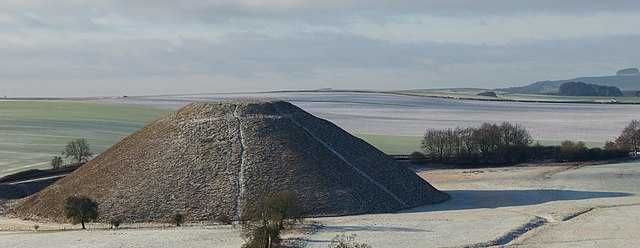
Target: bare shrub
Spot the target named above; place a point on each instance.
(347, 241)
(274, 214)
(56, 162)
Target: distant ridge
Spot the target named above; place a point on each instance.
(212, 160)
(625, 79)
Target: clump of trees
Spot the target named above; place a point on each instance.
(584, 89)
(80, 209)
(276, 213)
(508, 143)
(489, 143)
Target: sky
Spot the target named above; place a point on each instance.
(141, 47)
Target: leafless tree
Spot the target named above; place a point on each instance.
(78, 150)
(630, 137)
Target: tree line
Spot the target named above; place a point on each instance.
(509, 143)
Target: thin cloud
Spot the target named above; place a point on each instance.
(91, 47)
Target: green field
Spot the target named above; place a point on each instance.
(391, 144)
(31, 132)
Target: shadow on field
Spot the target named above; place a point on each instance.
(20, 190)
(475, 199)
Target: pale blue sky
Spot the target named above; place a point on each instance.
(132, 47)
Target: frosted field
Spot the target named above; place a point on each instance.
(408, 116)
(32, 132)
(571, 206)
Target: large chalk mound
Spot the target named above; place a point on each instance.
(212, 160)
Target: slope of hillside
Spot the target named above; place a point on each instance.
(212, 160)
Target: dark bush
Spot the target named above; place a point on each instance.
(573, 151)
(115, 222)
(223, 219)
(178, 219)
(417, 158)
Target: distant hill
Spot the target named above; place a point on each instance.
(583, 89)
(625, 79)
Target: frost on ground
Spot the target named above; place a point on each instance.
(488, 206)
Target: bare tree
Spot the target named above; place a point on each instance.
(78, 150)
(56, 162)
(630, 137)
(488, 139)
(434, 144)
(514, 135)
(262, 230)
(283, 206)
(80, 209)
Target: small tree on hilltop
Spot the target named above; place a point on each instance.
(78, 150)
(56, 162)
(80, 209)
